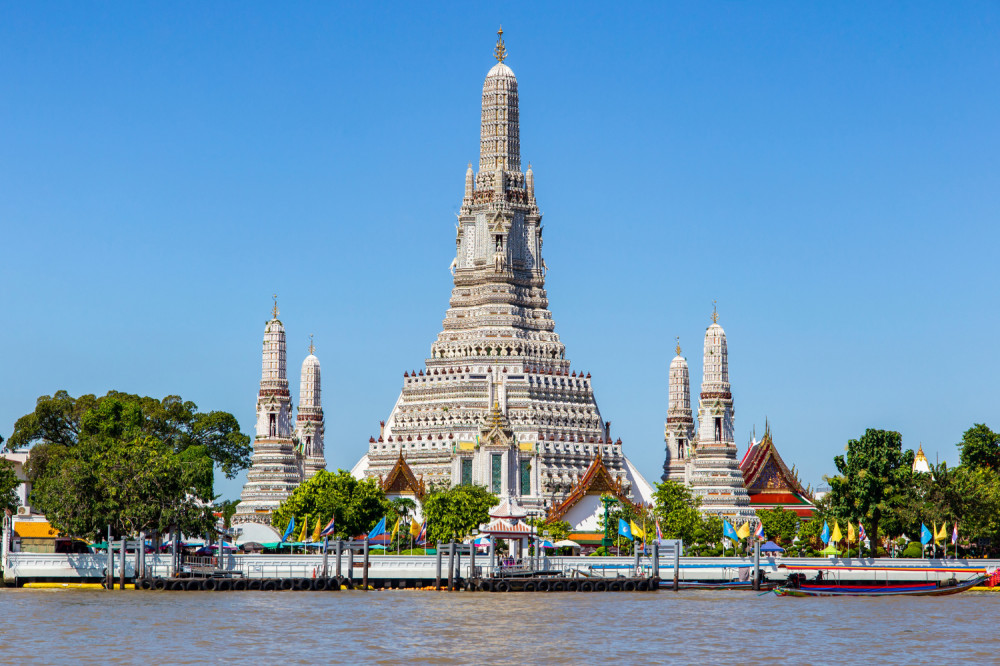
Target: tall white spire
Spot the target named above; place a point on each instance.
(679, 428)
(274, 467)
(500, 137)
(309, 420)
(715, 475)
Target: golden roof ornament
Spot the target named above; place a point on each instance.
(312, 347)
(274, 312)
(715, 312)
(500, 52)
(678, 345)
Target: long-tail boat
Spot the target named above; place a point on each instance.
(798, 588)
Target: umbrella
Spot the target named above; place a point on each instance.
(771, 547)
(830, 550)
(252, 546)
(567, 543)
(545, 543)
(375, 547)
(482, 541)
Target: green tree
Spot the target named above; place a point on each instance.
(980, 447)
(558, 529)
(780, 524)
(228, 509)
(677, 508)
(355, 505)
(60, 420)
(101, 466)
(875, 470)
(454, 513)
(8, 485)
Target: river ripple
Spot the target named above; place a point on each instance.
(389, 627)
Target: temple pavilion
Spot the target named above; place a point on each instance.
(769, 481)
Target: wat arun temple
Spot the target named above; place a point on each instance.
(498, 403)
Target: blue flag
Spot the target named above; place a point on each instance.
(728, 532)
(288, 530)
(624, 529)
(925, 535)
(378, 529)
(825, 534)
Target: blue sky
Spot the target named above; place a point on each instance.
(829, 173)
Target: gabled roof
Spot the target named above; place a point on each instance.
(402, 481)
(508, 508)
(596, 481)
(768, 480)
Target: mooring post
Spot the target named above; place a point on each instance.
(458, 566)
(677, 565)
(326, 557)
(140, 558)
(635, 565)
(437, 547)
(756, 564)
(493, 557)
(472, 561)
(121, 567)
(364, 575)
(656, 559)
(451, 565)
(111, 562)
(340, 552)
(350, 563)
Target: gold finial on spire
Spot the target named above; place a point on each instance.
(500, 51)
(274, 312)
(678, 345)
(715, 312)
(312, 347)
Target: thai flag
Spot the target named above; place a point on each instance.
(422, 537)
(954, 534)
(328, 530)
(659, 534)
(861, 532)
(759, 532)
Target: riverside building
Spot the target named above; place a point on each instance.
(498, 403)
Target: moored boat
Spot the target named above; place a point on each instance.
(796, 588)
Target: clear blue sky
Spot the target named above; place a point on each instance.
(829, 173)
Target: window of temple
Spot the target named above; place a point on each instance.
(718, 428)
(273, 429)
(496, 469)
(525, 477)
(466, 471)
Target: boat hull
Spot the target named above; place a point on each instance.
(912, 590)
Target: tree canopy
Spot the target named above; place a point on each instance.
(980, 447)
(355, 505)
(134, 463)
(875, 470)
(8, 485)
(780, 524)
(60, 419)
(455, 512)
(677, 508)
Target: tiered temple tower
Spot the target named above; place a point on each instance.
(309, 424)
(497, 403)
(679, 429)
(715, 474)
(275, 466)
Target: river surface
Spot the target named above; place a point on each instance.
(389, 627)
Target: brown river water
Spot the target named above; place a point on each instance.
(390, 627)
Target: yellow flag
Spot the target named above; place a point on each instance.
(941, 534)
(319, 527)
(414, 528)
(636, 530)
(395, 530)
(836, 536)
(743, 531)
(305, 529)
(850, 532)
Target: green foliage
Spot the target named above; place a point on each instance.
(980, 448)
(780, 525)
(677, 508)
(875, 472)
(558, 529)
(356, 505)
(912, 549)
(8, 485)
(66, 421)
(454, 513)
(227, 508)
